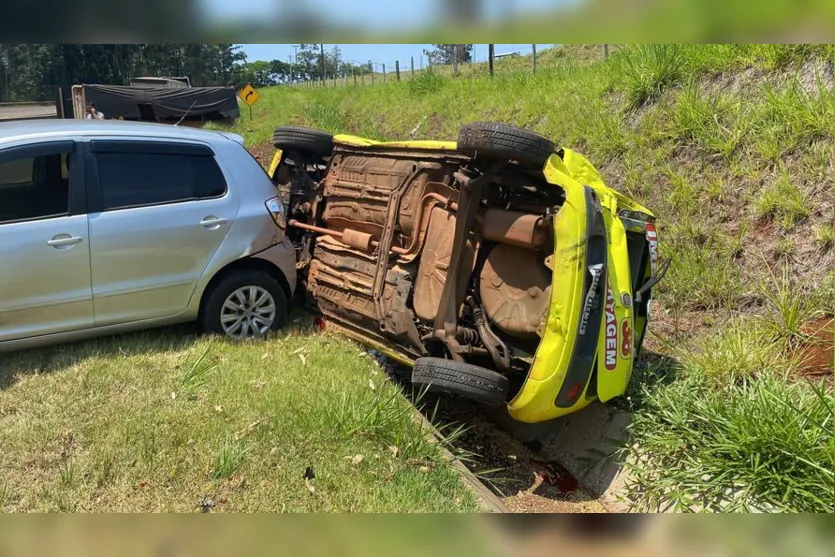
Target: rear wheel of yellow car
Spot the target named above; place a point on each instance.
(494, 140)
(458, 378)
(297, 138)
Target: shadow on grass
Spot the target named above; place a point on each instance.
(59, 357)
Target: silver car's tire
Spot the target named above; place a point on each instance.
(245, 305)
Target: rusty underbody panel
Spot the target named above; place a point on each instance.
(422, 252)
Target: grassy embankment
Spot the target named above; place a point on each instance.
(732, 147)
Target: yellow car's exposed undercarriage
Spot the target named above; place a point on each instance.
(513, 272)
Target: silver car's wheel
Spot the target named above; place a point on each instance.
(248, 312)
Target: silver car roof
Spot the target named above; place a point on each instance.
(26, 129)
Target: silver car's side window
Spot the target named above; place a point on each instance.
(34, 183)
(146, 178)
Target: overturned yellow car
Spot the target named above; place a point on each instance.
(500, 267)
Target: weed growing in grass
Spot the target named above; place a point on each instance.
(150, 449)
(384, 419)
(648, 70)
(229, 458)
(765, 444)
(67, 474)
(782, 200)
(105, 470)
(824, 235)
(788, 308)
(197, 371)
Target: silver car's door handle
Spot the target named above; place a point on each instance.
(213, 222)
(64, 241)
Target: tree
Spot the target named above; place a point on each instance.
(31, 72)
(443, 53)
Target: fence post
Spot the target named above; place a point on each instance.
(605, 51)
(490, 54)
(322, 55)
(384, 73)
(413, 66)
(455, 60)
(354, 75)
(533, 59)
(397, 68)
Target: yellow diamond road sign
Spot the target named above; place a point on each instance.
(249, 95)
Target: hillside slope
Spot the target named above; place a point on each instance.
(731, 146)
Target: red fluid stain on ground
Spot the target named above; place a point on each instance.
(554, 474)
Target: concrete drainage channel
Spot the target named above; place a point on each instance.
(540, 468)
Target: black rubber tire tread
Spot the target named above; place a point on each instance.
(210, 314)
(501, 141)
(457, 378)
(303, 139)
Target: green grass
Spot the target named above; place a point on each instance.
(764, 444)
(157, 421)
(783, 201)
(824, 235)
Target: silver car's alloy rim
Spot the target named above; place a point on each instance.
(248, 312)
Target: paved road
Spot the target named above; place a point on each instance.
(27, 111)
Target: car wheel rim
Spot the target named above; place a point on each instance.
(248, 312)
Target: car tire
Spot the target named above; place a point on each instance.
(490, 139)
(458, 378)
(303, 139)
(215, 311)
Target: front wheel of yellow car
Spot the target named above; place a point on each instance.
(458, 378)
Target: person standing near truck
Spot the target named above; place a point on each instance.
(92, 113)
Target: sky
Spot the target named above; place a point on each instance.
(378, 53)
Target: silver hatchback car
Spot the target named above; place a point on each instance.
(113, 226)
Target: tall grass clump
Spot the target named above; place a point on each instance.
(766, 445)
(649, 70)
(425, 83)
(783, 201)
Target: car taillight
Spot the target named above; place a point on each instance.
(276, 209)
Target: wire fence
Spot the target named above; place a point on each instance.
(484, 60)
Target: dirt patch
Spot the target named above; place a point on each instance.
(263, 153)
(815, 353)
(523, 479)
(816, 73)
